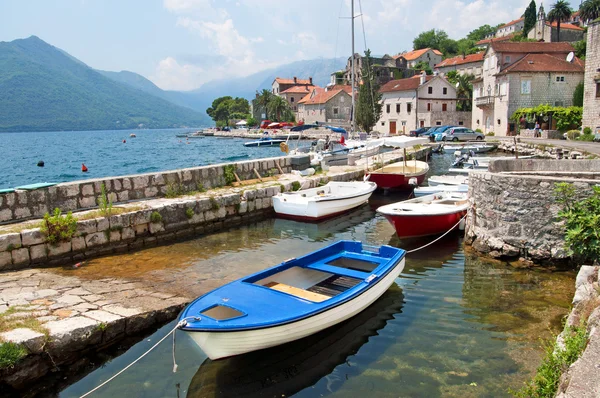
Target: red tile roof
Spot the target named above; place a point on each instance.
(460, 60)
(410, 83)
(412, 55)
(291, 81)
(320, 96)
(543, 63)
(512, 23)
(298, 90)
(345, 87)
(496, 39)
(532, 47)
(564, 25)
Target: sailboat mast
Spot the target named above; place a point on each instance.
(353, 117)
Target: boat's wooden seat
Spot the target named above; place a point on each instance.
(294, 291)
(453, 202)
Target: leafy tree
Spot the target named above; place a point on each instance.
(368, 106)
(560, 12)
(263, 100)
(422, 65)
(281, 109)
(464, 90)
(437, 39)
(215, 104)
(466, 46)
(578, 95)
(580, 48)
(240, 105)
(252, 121)
(530, 18)
(481, 32)
(589, 10)
(225, 108)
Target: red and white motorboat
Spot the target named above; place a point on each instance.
(426, 215)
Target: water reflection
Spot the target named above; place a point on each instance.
(288, 369)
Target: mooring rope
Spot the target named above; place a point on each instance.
(181, 323)
(440, 237)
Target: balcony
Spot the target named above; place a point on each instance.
(484, 102)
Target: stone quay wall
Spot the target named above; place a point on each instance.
(78, 195)
(160, 221)
(515, 213)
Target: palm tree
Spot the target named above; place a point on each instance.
(560, 12)
(263, 100)
(589, 10)
(280, 108)
(464, 92)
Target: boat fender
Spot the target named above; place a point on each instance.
(84, 168)
(413, 181)
(40, 163)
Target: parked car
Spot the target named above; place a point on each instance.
(459, 134)
(433, 136)
(419, 132)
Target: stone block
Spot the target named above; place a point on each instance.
(30, 237)
(187, 175)
(118, 221)
(122, 311)
(78, 243)
(12, 240)
(158, 179)
(243, 207)
(89, 201)
(5, 259)
(141, 217)
(87, 190)
(22, 212)
(123, 196)
(151, 192)
(34, 341)
(117, 184)
(20, 256)
(59, 249)
(68, 190)
(5, 215)
(141, 229)
(140, 182)
(22, 198)
(127, 233)
(96, 239)
(155, 227)
(86, 227)
(102, 224)
(38, 253)
(115, 236)
(72, 334)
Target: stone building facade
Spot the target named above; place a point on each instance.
(511, 28)
(385, 69)
(517, 75)
(419, 101)
(591, 85)
(279, 85)
(548, 32)
(325, 106)
(463, 64)
(428, 55)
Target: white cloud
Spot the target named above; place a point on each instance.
(170, 75)
(185, 5)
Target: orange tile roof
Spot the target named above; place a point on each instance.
(291, 81)
(543, 63)
(564, 26)
(410, 83)
(532, 47)
(412, 55)
(460, 60)
(321, 96)
(346, 87)
(512, 23)
(298, 90)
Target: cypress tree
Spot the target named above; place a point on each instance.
(530, 18)
(368, 106)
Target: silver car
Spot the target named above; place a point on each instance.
(461, 134)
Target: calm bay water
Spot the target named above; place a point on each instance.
(105, 154)
(451, 326)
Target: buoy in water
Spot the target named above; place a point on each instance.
(40, 163)
(84, 168)
(124, 141)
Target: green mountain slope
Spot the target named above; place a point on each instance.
(43, 89)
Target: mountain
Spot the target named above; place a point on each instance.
(42, 88)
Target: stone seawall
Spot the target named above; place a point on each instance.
(515, 212)
(77, 195)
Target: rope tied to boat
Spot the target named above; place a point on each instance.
(445, 233)
(180, 324)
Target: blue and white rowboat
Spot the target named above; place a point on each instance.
(292, 300)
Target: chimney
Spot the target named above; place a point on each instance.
(422, 78)
(295, 80)
(310, 80)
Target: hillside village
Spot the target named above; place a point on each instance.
(512, 71)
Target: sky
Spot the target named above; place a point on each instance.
(181, 44)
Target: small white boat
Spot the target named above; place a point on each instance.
(427, 215)
(327, 201)
(447, 180)
(132, 135)
(465, 148)
(423, 191)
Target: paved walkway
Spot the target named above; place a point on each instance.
(591, 147)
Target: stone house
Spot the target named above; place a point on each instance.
(591, 85)
(280, 84)
(464, 64)
(511, 28)
(427, 55)
(546, 31)
(385, 69)
(485, 43)
(517, 75)
(419, 101)
(325, 106)
(294, 94)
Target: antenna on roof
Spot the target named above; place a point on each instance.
(570, 56)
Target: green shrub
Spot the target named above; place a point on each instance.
(214, 204)
(479, 131)
(10, 354)
(586, 137)
(200, 187)
(582, 221)
(490, 134)
(573, 134)
(587, 130)
(189, 213)
(174, 190)
(105, 202)
(295, 186)
(57, 228)
(155, 217)
(229, 172)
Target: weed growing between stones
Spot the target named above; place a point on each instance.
(229, 172)
(200, 187)
(295, 186)
(281, 188)
(20, 316)
(105, 202)
(10, 354)
(116, 210)
(189, 213)
(174, 190)
(557, 360)
(155, 217)
(214, 204)
(57, 228)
